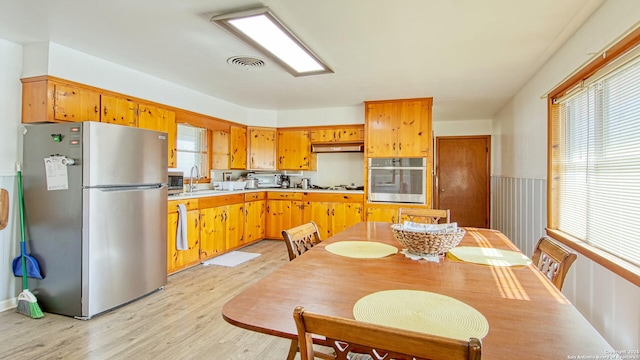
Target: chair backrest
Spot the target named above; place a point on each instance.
(347, 335)
(300, 239)
(553, 260)
(428, 216)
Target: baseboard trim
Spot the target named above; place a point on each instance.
(8, 304)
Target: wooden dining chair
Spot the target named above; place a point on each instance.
(428, 216)
(347, 335)
(298, 240)
(301, 238)
(553, 260)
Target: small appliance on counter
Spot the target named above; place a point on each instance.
(305, 183)
(266, 180)
(284, 183)
(175, 182)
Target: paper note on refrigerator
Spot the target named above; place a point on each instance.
(56, 173)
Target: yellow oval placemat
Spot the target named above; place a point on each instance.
(422, 311)
(361, 249)
(489, 256)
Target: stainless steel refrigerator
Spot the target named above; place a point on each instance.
(96, 214)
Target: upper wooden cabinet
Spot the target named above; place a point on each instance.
(48, 100)
(398, 128)
(354, 134)
(119, 111)
(261, 148)
(238, 148)
(294, 150)
(160, 119)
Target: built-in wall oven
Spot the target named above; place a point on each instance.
(402, 180)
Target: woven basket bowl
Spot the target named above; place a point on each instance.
(425, 243)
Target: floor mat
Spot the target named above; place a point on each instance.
(231, 259)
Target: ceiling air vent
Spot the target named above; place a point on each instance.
(246, 62)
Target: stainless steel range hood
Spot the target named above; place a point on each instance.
(328, 148)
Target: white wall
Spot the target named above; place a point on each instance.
(11, 90)
(462, 127)
(611, 303)
(328, 116)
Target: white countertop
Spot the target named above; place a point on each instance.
(208, 192)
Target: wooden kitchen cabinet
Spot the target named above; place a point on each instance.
(180, 259)
(333, 213)
(160, 119)
(238, 148)
(219, 150)
(387, 212)
(337, 135)
(255, 210)
(46, 99)
(261, 148)
(294, 150)
(285, 210)
(398, 128)
(222, 219)
(119, 111)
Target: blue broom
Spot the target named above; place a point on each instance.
(27, 302)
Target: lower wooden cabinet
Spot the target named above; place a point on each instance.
(180, 259)
(387, 212)
(255, 212)
(222, 224)
(284, 211)
(333, 213)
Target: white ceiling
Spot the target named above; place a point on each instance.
(471, 56)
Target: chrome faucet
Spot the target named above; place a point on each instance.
(191, 176)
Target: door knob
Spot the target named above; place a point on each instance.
(441, 190)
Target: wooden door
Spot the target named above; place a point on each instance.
(294, 150)
(382, 213)
(414, 130)
(462, 173)
(219, 150)
(343, 215)
(254, 220)
(262, 144)
(75, 104)
(278, 218)
(238, 148)
(320, 213)
(235, 225)
(382, 129)
(212, 232)
(119, 111)
(178, 259)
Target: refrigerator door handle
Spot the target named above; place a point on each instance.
(129, 188)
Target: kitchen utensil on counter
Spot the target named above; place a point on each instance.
(285, 182)
(252, 183)
(4, 208)
(306, 183)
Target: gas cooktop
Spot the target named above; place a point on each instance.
(338, 187)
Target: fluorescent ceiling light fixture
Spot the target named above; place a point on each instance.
(265, 32)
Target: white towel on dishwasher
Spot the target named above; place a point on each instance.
(181, 235)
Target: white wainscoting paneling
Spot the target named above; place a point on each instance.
(8, 247)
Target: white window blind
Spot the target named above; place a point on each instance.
(192, 149)
(599, 163)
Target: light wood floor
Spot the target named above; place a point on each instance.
(183, 321)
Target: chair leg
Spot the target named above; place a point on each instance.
(293, 350)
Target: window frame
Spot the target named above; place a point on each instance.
(204, 173)
(625, 269)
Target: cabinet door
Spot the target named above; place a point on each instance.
(212, 232)
(75, 104)
(156, 118)
(119, 111)
(344, 215)
(278, 218)
(320, 213)
(262, 144)
(382, 214)
(238, 148)
(235, 225)
(178, 259)
(294, 150)
(219, 150)
(254, 220)
(331, 135)
(382, 129)
(414, 131)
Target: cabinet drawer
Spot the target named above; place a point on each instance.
(221, 200)
(254, 196)
(284, 195)
(342, 197)
(190, 204)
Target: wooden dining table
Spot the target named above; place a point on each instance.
(528, 317)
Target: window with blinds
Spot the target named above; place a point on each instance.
(192, 149)
(596, 162)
